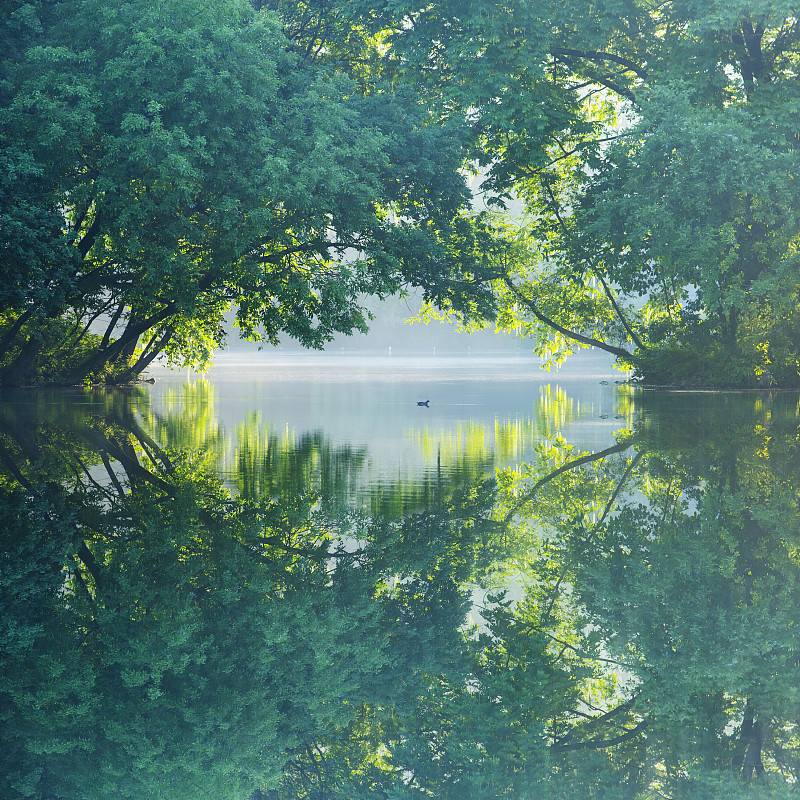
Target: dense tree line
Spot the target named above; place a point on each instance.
(163, 162)
(655, 147)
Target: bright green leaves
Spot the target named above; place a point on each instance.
(653, 151)
(168, 160)
(699, 216)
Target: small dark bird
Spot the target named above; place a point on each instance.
(423, 403)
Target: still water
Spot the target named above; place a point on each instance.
(288, 579)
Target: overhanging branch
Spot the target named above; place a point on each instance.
(574, 335)
(599, 55)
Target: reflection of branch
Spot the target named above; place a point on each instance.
(606, 510)
(564, 744)
(587, 459)
(636, 459)
(6, 459)
(111, 474)
(320, 554)
(128, 461)
(601, 718)
(582, 653)
(133, 426)
(536, 171)
(86, 474)
(88, 559)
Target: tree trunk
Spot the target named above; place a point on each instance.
(619, 352)
(15, 373)
(100, 358)
(147, 357)
(12, 332)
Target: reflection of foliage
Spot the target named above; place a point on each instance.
(653, 651)
(701, 579)
(161, 634)
(188, 419)
(676, 552)
(269, 465)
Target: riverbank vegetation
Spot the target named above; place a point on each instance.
(163, 162)
(655, 149)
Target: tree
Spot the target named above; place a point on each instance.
(656, 154)
(162, 162)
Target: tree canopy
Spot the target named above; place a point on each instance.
(655, 149)
(165, 161)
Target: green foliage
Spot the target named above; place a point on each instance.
(162, 162)
(656, 156)
(684, 580)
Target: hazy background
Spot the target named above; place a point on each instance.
(389, 329)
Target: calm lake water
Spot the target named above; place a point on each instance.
(288, 579)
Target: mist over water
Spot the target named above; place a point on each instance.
(371, 401)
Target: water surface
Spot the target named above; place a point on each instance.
(286, 579)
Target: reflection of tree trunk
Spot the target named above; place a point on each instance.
(23, 437)
(8, 462)
(748, 753)
(732, 470)
(752, 759)
(744, 736)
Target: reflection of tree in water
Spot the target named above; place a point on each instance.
(689, 584)
(269, 465)
(164, 638)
